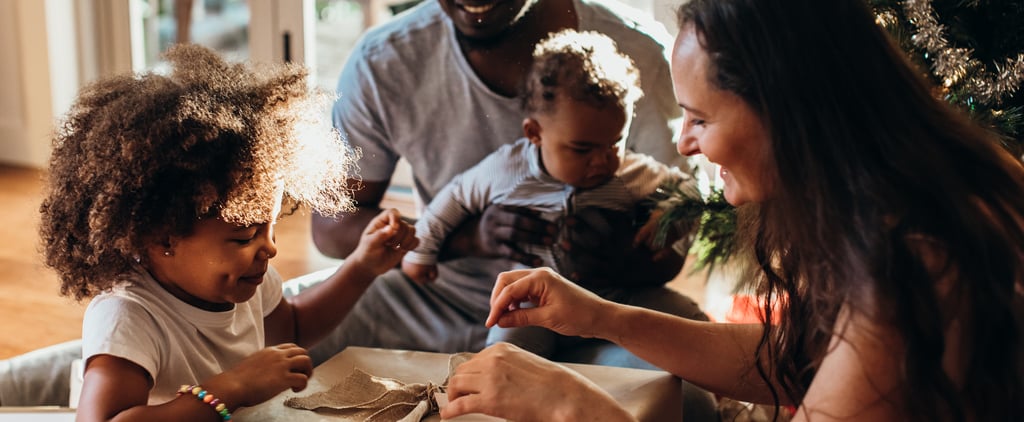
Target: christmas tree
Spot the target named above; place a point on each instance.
(972, 51)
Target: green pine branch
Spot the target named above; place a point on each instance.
(710, 222)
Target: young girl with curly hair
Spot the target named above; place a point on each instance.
(162, 199)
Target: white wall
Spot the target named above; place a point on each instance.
(62, 54)
(20, 113)
(12, 120)
(38, 76)
(41, 70)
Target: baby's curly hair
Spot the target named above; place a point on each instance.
(140, 158)
(586, 66)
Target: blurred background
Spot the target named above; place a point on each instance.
(50, 48)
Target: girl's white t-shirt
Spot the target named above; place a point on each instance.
(175, 342)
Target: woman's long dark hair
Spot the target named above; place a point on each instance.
(869, 164)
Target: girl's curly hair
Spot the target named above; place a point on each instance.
(140, 158)
(586, 66)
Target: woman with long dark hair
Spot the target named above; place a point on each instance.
(886, 229)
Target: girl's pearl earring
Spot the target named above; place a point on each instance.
(168, 253)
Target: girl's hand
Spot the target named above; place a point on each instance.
(385, 241)
(560, 304)
(262, 376)
(508, 382)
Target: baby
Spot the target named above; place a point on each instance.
(578, 99)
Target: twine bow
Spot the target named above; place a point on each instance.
(378, 399)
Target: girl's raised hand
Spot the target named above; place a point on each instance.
(262, 376)
(559, 304)
(385, 241)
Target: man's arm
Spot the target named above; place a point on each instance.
(337, 237)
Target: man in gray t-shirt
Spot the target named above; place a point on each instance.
(437, 86)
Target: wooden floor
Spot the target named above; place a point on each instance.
(32, 312)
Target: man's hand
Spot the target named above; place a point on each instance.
(497, 233)
(598, 248)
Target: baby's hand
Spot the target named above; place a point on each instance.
(385, 241)
(420, 273)
(262, 376)
(646, 234)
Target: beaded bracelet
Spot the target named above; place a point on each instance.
(207, 398)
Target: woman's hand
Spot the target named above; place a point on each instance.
(560, 305)
(262, 376)
(385, 241)
(508, 382)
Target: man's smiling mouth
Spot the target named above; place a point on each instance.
(478, 9)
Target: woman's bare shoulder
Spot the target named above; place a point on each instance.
(858, 377)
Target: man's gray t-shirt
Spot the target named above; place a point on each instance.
(408, 91)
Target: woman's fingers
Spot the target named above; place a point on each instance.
(508, 382)
(504, 279)
(466, 404)
(522, 317)
(499, 285)
(462, 384)
(510, 289)
(476, 382)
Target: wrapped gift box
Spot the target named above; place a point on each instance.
(649, 395)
